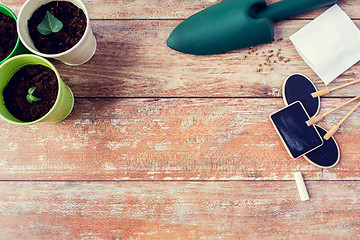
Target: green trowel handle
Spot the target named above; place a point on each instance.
(288, 8)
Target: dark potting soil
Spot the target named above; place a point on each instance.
(45, 81)
(8, 35)
(74, 25)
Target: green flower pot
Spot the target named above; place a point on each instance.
(65, 99)
(19, 47)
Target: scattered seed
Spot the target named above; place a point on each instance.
(269, 57)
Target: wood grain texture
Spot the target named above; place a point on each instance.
(167, 139)
(179, 210)
(134, 61)
(164, 145)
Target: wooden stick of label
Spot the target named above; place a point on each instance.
(336, 127)
(320, 117)
(327, 90)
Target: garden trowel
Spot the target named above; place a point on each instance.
(235, 24)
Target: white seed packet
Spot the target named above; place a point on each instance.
(330, 44)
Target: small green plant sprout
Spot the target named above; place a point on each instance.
(30, 97)
(50, 24)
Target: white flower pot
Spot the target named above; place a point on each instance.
(78, 54)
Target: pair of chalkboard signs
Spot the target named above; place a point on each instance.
(296, 127)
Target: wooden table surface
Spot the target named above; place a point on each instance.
(165, 145)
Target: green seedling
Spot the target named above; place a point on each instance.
(50, 24)
(30, 97)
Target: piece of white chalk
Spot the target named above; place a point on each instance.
(301, 186)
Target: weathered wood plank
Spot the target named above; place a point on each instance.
(134, 61)
(179, 210)
(170, 9)
(167, 139)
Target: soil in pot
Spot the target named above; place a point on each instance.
(46, 83)
(74, 25)
(8, 35)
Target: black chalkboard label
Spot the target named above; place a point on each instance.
(299, 88)
(297, 136)
(326, 156)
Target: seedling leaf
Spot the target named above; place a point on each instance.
(50, 24)
(30, 96)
